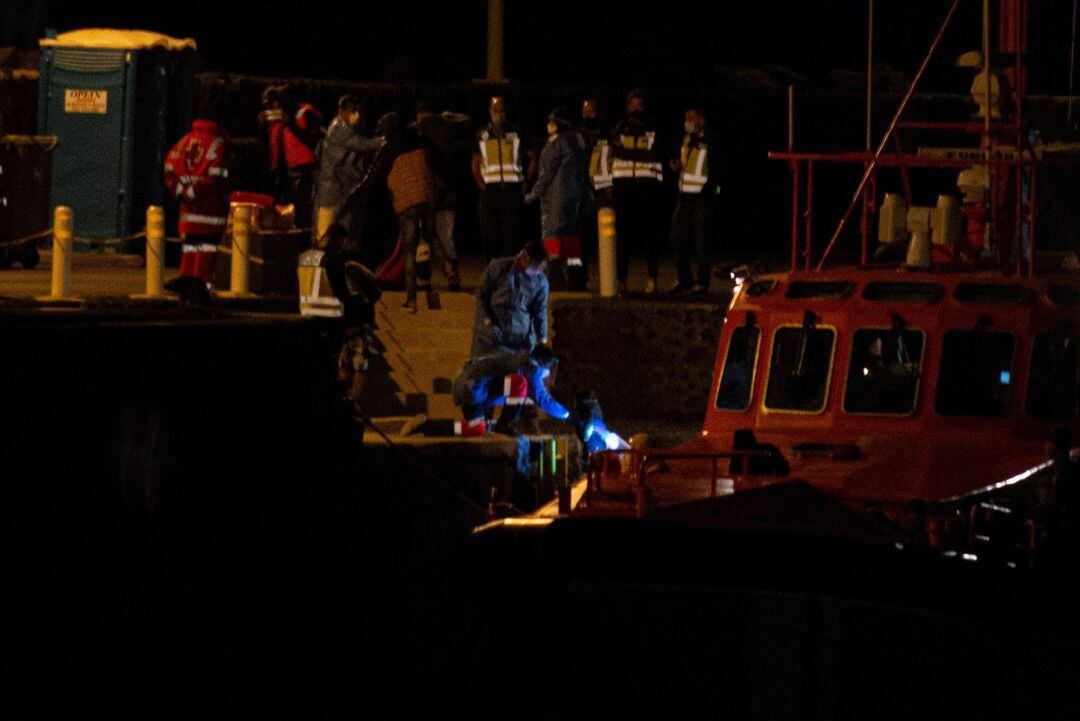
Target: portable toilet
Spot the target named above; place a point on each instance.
(116, 100)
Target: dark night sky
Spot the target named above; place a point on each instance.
(672, 41)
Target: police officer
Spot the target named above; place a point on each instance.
(598, 151)
(637, 172)
(500, 175)
(691, 223)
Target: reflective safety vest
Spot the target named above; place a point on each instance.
(500, 159)
(694, 163)
(600, 165)
(316, 295)
(622, 168)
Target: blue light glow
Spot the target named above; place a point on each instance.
(1006, 377)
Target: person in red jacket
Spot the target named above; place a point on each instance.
(291, 147)
(196, 174)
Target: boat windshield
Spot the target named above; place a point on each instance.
(976, 373)
(737, 380)
(883, 375)
(799, 369)
(1054, 387)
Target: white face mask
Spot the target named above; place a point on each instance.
(552, 128)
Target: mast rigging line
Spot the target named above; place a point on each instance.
(870, 167)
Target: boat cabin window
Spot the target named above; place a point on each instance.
(1064, 295)
(799, 369)
(991, 293)
(760, 287)
(1053, 390)
(820, 289)
(737, 380)
(883, 375)
(892, 291)
(976, 373)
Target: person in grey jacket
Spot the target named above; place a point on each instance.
(562, 187)
(342, 158)
(511, 303)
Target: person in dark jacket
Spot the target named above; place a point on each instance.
(402, 162)
(698, 167)
(342, 157)
(434, 129)
(562, 187)
(637, 171)
(511, 303)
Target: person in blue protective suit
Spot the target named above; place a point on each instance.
(511, 303)
(512, 380)
(588, 419)
(515, 381)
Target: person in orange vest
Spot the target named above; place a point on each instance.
(196, 174)
(291, 145)
(403, 162)
(300, 139)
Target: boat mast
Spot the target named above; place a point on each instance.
(870, 166)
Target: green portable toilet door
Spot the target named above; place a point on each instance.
(85, 110)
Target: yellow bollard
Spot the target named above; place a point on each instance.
(241, 247)
(605, 221)
(324, 217)
(155, 251)
(61, 252)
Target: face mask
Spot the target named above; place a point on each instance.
(552, 128)
(498, 119)
(635, 114)
(591, 123)
(690, 127)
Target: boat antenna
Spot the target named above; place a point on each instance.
(870, 65)
(869, 170)
(1072, 64)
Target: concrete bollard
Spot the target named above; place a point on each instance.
(241, 248)
(605, 220)
(155, 252)
(61, 252)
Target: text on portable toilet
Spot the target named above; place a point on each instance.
(95, 102)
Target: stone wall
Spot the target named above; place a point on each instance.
(646, 359)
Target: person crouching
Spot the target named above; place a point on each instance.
(511, 380)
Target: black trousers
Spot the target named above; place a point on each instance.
(638, 205)
(691, 226)
(500, 219)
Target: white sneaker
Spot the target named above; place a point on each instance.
(650, 287)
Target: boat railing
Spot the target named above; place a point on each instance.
(639, 464)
